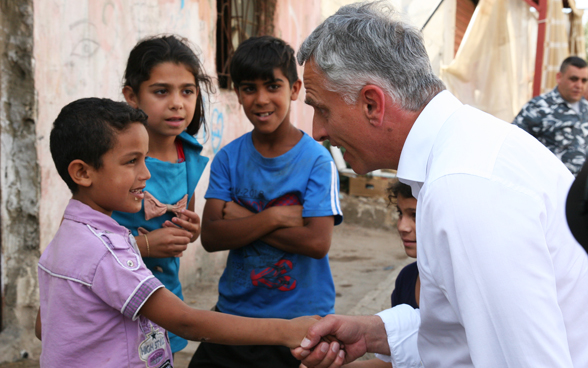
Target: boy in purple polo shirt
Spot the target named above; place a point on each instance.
(100, 305)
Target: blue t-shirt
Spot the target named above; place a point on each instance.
(260, 280)
(169, 182)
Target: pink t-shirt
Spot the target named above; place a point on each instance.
(92, 284)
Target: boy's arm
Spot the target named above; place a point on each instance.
(216, 327)
(312, 239)
(219, 233)
(38, 325)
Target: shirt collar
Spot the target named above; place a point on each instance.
(558, 98)
(412, 167)
(82, 213)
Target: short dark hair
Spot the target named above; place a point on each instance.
(397, 188)
(257, 57)
(152, 51)
(578, 62)
(86, 129)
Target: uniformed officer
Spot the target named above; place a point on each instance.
(559, 118)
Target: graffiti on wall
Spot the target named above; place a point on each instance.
(217, 125)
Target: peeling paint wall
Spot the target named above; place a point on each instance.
(95, 38)
(20, 181)
(80, 50)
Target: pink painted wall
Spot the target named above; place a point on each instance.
(80, 51)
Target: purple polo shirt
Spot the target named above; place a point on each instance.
(92, 284)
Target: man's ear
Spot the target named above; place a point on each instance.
(373, 99)
(79, 171)
(295, 89)
(558, 77)
(130, 96)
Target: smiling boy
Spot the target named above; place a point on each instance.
(100, 305)
(272, 201)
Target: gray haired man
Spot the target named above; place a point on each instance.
(503, 282)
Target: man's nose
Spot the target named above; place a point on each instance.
(319, 133)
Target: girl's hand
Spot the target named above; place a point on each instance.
(188, 220)
(164, 242)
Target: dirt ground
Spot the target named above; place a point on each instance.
(364, 263)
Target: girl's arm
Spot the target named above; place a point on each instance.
(168, 311)
(219, 233)
(174, 236)
(166, 242)
(188, 220)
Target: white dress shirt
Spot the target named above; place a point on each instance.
(503, 282)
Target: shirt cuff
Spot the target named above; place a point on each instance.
(402, 328)
(142, 293)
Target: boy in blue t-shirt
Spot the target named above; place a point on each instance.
(273, 200)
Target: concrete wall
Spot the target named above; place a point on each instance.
(80, 50)
(19, 180)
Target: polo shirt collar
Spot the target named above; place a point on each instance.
(82, 213)
(412, 167)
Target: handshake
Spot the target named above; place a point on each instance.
(335, 340)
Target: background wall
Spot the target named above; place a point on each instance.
(79, 49)
(94, 39)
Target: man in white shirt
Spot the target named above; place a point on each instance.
(503, 282)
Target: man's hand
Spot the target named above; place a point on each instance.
(359, 334)
(298, 328)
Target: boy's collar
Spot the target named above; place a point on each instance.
(82, 213)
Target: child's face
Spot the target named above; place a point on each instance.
(118, 185)
(406, 224)
(267, 102)
(168, 97)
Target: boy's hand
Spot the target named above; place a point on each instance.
(165, 242)
(299, 329)
(233, 211)
(188, 220)
(288, 216)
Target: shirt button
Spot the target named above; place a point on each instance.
(130, 263)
